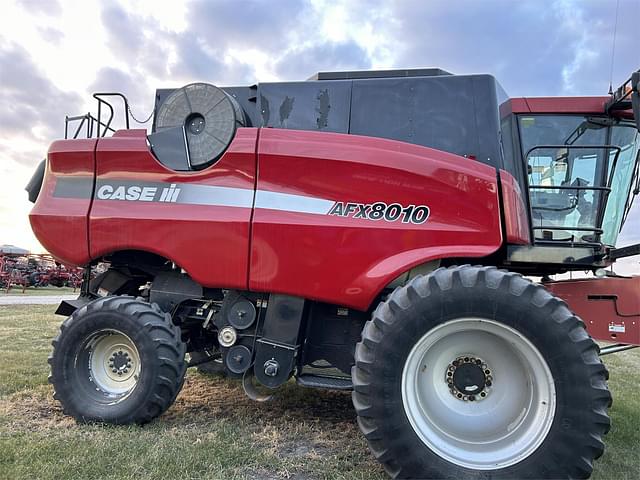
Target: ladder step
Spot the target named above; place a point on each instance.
(333, 383)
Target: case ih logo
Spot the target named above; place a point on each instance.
(202, 194)
(139, 193)
(393, 212)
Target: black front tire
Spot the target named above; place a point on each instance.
(158, 348)
(574, 438)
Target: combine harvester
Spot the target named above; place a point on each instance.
(366, 231)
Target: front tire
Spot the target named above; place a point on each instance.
(474, 372)
(117, 360)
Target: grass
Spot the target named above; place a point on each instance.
(17, 290)
(213, 430)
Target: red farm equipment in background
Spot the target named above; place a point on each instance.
(24, 271)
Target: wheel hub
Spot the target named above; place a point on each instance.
(459, 411)
(114, 364)
(468, 378)
(119, 362)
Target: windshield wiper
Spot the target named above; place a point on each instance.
(593, 123)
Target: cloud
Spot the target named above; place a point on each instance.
(46, 7)
(462, 38)
(304, 62)
(31, 104)
(26, 157)
(217, 28)
(562, 47)
(196, 60)
(51, 35)
(262, 24)
(196, 54)
(630, 233)
(137, 40)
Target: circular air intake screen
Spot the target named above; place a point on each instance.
(209, 117)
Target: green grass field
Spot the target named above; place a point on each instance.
(39, 291)
(213, 430)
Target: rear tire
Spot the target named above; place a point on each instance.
(539, 412)
(117, 360)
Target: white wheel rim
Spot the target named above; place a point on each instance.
(501, 429)
(114, 363)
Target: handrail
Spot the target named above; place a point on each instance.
(91, 124)
(107, 124)
(605, 189)
(627, 96)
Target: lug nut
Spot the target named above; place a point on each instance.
(114, 370)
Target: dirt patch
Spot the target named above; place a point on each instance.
(203, 397)
(33, 411)
(204, 400)
(297, 423)
(263, 474)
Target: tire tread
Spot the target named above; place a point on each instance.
(169, 357)
(439, 282)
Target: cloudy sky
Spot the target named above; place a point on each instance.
(55, 53)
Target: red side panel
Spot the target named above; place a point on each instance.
(306, 244)
(515, 211)
(610, 307)
(59, 217)
(206, 231)
(593, 105)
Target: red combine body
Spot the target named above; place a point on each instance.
(325, 230)
(436, 207)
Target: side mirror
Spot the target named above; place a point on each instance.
(635, 97)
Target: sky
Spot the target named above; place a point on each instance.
(54, 54)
